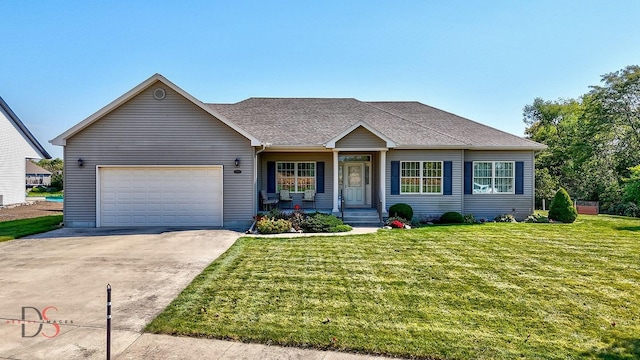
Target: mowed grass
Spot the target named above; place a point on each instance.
(492, 291)
(14, 229)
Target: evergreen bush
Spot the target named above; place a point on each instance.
(401, 210)
(324, 223)
(561, 208)
(452, 217)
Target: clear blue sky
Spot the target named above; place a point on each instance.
(63, 60)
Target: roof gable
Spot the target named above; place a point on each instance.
(62, 138)
(33, 142)
(388, 142)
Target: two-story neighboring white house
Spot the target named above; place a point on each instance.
(16, 145)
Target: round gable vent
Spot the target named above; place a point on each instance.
(159, 94)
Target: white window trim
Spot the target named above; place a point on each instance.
(493, 177)
(422, 177)
(295, 177)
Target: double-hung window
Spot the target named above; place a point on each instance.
(296, 176)
(493, 177)
(421, 177)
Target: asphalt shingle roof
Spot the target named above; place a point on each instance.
(315, 121)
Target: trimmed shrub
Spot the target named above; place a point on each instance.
(273, 226)
(322, 223)
(452, 217)
(505, 218)
(561, 208)
(341, 228)
(401, 210)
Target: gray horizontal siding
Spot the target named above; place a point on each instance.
(491, 205)
(324, 200)
(424, 204)
(145, 131)
(361, 138)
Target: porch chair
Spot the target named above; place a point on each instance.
(267, 204)
(285, 196)
(309, 196)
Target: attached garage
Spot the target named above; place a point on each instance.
(159, 196)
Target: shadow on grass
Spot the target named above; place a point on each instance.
(628, 228)
(619, 350)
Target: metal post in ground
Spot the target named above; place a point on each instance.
(108, 322)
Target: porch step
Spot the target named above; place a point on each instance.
(361, 217)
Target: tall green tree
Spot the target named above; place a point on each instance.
(593, 141)
(614, 108)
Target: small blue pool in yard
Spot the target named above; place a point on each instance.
(54, 198)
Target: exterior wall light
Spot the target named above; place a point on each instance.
(80, 162)
(237, 162)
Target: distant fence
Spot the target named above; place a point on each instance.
(587, 207)
(583, 207)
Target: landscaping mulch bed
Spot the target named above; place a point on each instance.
(30, 210)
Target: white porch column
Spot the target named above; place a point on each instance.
(336, 190)
(383, 181)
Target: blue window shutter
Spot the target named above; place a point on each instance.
(519, 177)
(271, 176)
(395, 178)
(320, 177)
(447, 179)
(468, 177)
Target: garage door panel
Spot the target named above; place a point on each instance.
(171, 196)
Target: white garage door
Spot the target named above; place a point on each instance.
(159, 196)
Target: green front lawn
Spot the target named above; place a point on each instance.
(492, 291)
(14, 229)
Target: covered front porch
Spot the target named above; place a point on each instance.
(341, 181)
(348, 172)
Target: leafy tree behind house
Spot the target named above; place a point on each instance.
(593, 141)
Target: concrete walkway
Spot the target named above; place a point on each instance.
(62, 275)
(157, 347)
(355, 231)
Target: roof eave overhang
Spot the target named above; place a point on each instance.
(295, 148)
(23, 129)
(508, 148)
(468, 147)
(61, 139)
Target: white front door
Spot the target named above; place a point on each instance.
(354, 185)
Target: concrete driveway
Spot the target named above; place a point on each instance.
(62, 275)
